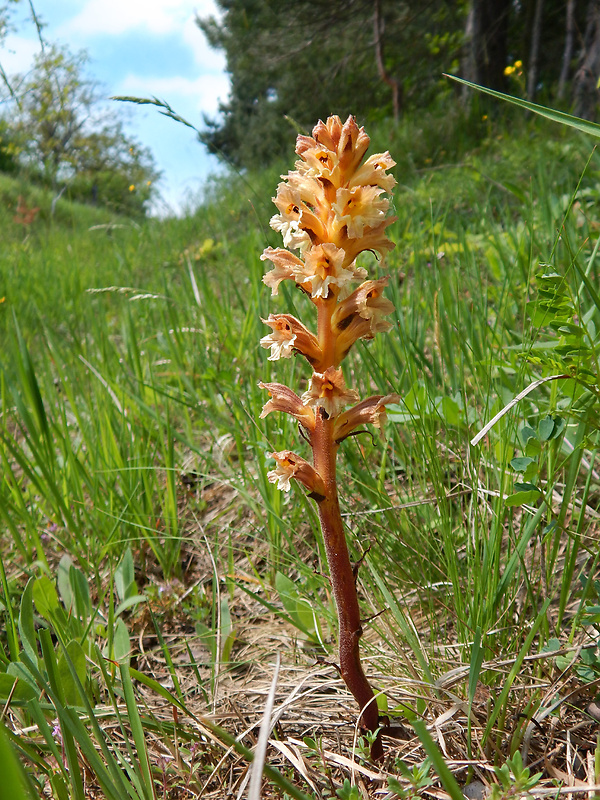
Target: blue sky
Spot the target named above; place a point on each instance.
(143, 48)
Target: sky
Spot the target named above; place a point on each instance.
(144, 48)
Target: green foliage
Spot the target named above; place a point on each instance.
(291, 64)
(586, 661)
(6, 8)
(14, 785)
(348, 791)
(574, 347)
(58, 131)
(529, 464)
(128, 433)
(417, 778)
(301, 611)
(513, 778)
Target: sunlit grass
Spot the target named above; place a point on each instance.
(130, 419)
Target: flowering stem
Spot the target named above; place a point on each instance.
(331, 211)
(343, 581)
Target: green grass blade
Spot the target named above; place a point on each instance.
(447, 778)
(591, 128)
(138, 733)
(14, 784)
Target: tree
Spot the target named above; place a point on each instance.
(55, 108)
(5, 10)
(486, 43)
(585, 82)
(296, 62)
(65, 135)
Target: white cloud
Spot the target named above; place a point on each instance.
(17, 53)
(201, 93)
(119, 16)
(204, 55)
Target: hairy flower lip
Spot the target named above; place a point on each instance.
(323, 270)
(290, 465)
(293, 235)
(371, 410)
(335, 150)
(366, 301)
(285, 399)
(373, 172)
(286, 264)
(290, 336)
(360, 316)
(374, 239)
(359, 209)
(327, 390)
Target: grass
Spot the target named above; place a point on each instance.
(151, 576)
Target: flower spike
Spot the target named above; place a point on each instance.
(331, 208)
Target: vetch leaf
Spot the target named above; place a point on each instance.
(521, 464)
(546, 428)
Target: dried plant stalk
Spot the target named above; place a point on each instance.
(331, 210)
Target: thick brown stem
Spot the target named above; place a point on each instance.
(343, 581)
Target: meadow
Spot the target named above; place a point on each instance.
(153, 579)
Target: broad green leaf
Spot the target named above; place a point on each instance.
(526, 433)
(14, 784)
(289, 597)
(546, 428)
(523, 496)
(382, 702)
(131, 601)
(81, 593)
(521, 464)
(17, 669)
(16, 688)
(450, 411)
(121, 642)
(45, 597)
(533, 447)
(26, 626)
(227, 647)
(63, 580)
(125, 577)
(416, 400)
(75, 653)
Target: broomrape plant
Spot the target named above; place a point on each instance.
(331, 209)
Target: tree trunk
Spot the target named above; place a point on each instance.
(568, 53)
(393, 83)
(532, 71)
(486, 43)
(585, 92)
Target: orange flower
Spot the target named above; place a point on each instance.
(372, 410)
(287, 266)
(372, 172)
(290, 336)
(284, 399)
(327, 390)
(323, 269)
(289, 466)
